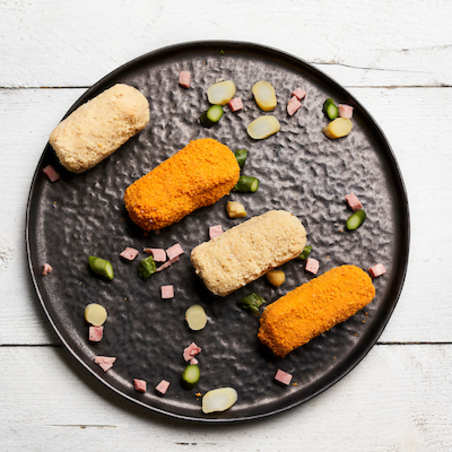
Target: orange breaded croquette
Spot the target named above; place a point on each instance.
(314, 307)
(197, 176)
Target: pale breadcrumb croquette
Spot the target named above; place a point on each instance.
(197, 176)
(314, 307)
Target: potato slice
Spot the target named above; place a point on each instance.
(235, 209)
(263, 127)
(95, 314)
(196, 317)
(338, 128)
(218, 400)
(264, 95)
(221, 93)
(276, 277)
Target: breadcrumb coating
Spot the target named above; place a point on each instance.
(197, 176)
(314, 307)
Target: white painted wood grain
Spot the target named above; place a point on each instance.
(414, 120)
(360, 43)
(397, 399)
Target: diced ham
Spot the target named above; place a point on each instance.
(162, 387)
(46, 269)
(106, 362)
(293, 105)
(353, 202)
(167, 264)
(377, 270)
(312, 265)
(215, 231)
(167, 292)
(236, 104)
(50, 172)
(345, 111)
(194, 361)
(283, 377)
(184, 79)
(191, 351)
(298, 93)
(174, 251)
(158, 254)
(140, 385)
(129, 253)
(96, 333)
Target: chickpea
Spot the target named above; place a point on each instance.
(276, 277)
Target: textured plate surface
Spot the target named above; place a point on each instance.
(299, 169)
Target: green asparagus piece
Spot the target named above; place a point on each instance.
(101, 267)
(330, 109)
(241, 155)
(356, 220)
(190, 376)
(247, 184)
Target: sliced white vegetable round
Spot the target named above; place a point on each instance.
(218, 400)
(95, 314)
(263, 127)
(264, 95)
(221, 93)
(196, 317)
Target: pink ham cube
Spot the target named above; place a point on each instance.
(158, 254)
(353, 202)
(174, 251)
(215, 231)
(236, 104)
(293, 105)
(139, 385)
(184, 79)
(298, 93)
(377, 270)
(96, 333)
(167, 264)
(312, 265)
(106, 362)
(191, 351)
(46, 269)
(167, 292)
(345, 111)
(283, 377)
(50, 172)
(129, 254)
(162, 387)
(194, 361)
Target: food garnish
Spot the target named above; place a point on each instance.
(247, 184)
(356, 220)
(264, 95)
(196, 317)
(211, 116)
(221, 93)
(276, 277)
(101, 267)
(330, 109)
(147, 267)
(252, 302)
(95, 314)
(263, 127)
(235, 209)
(190, 376)
(241, 155)
(306, 252)
(218, 400)
(338, 128)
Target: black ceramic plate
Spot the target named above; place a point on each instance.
(299, 170)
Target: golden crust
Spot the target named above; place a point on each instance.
(197, 176)
(98, 128)
(245, 252)
(314, 307)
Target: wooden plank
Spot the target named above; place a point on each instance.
(397, 399)
(358, 43)
(414, 120)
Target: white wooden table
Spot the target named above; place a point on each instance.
(396, 58)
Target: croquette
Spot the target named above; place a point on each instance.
(98, 128)
(314, 307)
(197, 176)
(247, 251)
